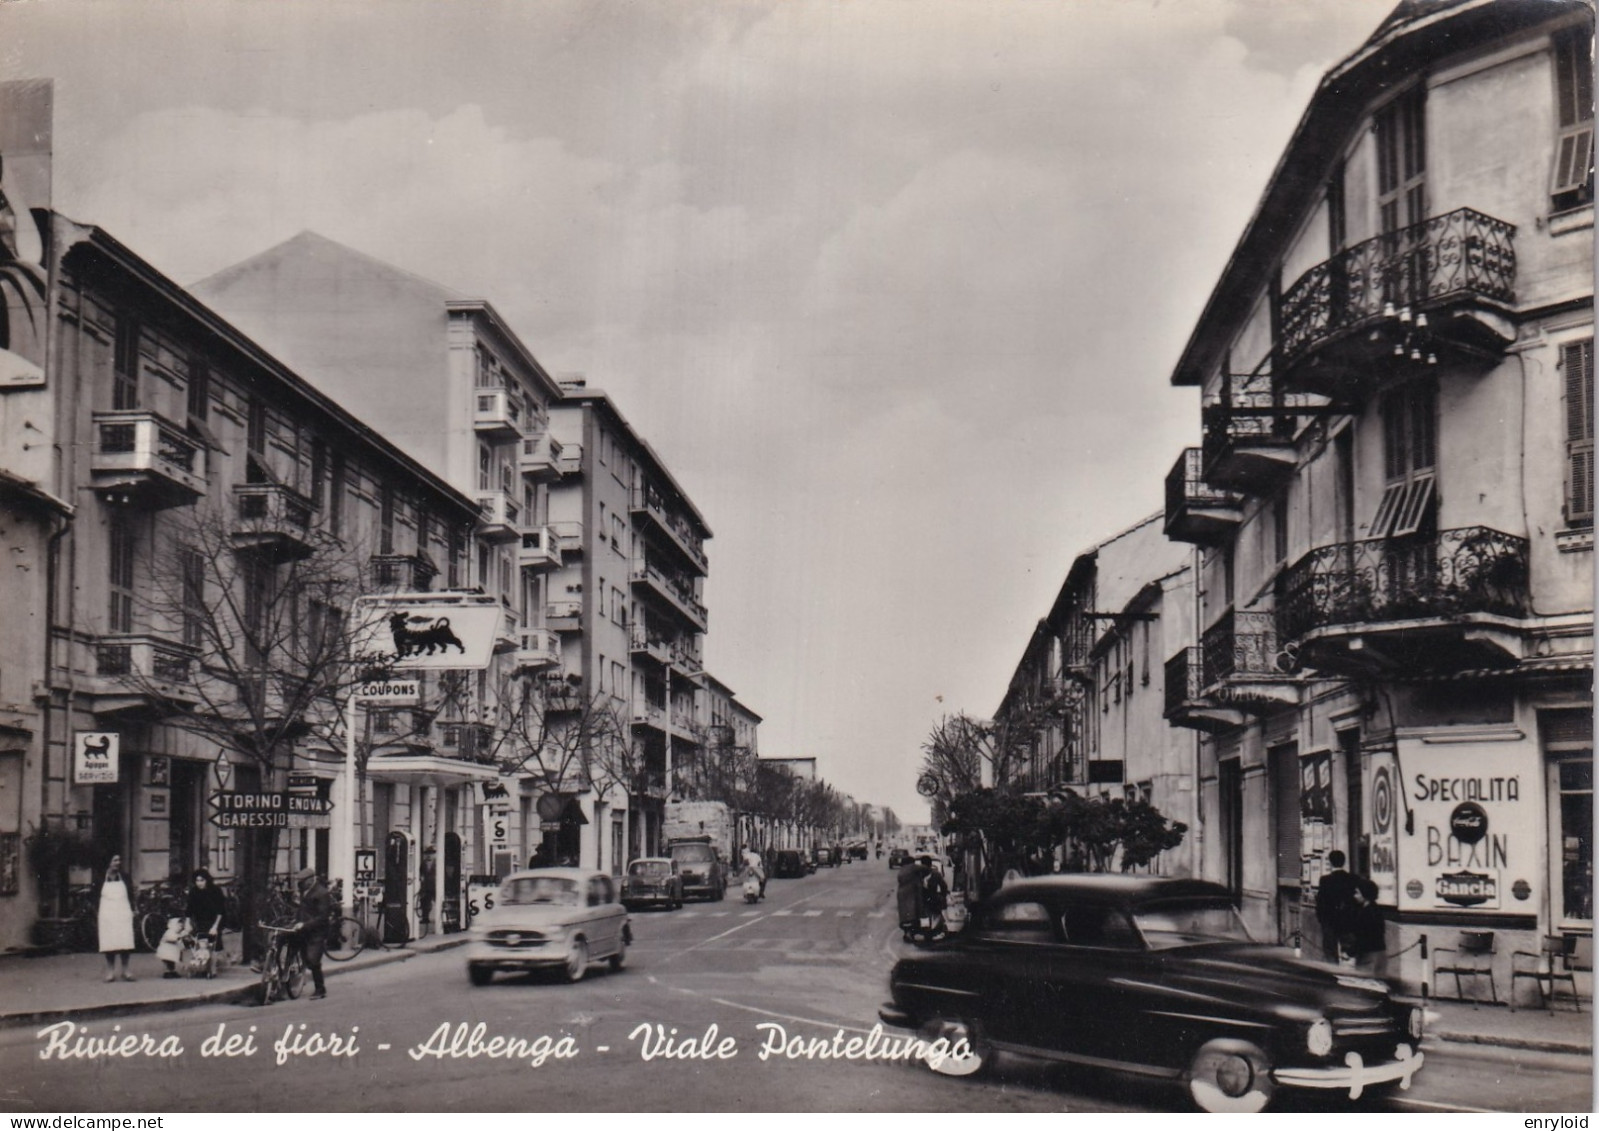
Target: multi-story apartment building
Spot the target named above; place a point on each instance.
(187, 508)
(630, 607)
(1392, 506)
(1085, 706)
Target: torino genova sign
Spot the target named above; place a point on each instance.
(410, 631)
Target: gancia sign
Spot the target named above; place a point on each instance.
(427, 630)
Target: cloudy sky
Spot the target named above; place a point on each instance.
(894, 286)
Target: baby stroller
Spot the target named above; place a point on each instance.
(191, 955)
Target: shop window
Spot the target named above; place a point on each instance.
(1575, 777)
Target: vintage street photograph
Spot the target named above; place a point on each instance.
(899, 557)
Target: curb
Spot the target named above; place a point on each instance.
(1529, 1044)
(225, 996)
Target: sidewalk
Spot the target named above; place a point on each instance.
(1564, 1030)
(42, 990)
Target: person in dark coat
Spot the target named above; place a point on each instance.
(204, 915)
(1334, 899)
(909, 895)
(311, 925)
(1364, 934)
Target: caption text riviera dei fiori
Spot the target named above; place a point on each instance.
(67, 1040)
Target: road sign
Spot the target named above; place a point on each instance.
(389, 691)
(409, 631)
(270, 809)
(94, 757)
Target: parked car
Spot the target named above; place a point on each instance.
(789, 865)
(898, 857)
(701, 867)
(822, 857)
(1157, 977)
(651, 882)
(551, 918)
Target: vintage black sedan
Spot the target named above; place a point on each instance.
(1155, 977)
(652, 881)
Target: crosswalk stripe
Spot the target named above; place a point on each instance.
(810, 914)
(785, 911)
(877, 914)
(845, 914)
(720, 914)
(747, 914)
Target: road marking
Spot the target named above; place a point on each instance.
(720, 914)
(602, 1048)
(1443, 1107)
(747, 914)
(809, 914)
(844, 914)
(780, 914)
(876, 914)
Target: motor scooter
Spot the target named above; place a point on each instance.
(752, 888)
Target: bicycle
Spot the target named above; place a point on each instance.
(346, 939)
(154, 906)
(283, 967)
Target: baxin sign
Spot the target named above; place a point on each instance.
(435, 631)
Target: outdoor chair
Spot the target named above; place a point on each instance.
(1473, 957)
(1552, 963)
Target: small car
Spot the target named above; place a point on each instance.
(789, 865)
(652, 881)
(898, 856)
(701, 867)
(823, 857)
(1156, 977)
(551, 918)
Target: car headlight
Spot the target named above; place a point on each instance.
(1319, 1037)
(1415, 1022)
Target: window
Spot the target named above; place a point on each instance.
(1401, 128)
(192, 566)
(125, 376)
(1088, 924)
(336, 496)
(618, 608)
(386, 520)
(319, 472)
(1573, 172)
(1576, 837)
(199, 390)
(255, 429)
(1409, 423)
(1279, 527)
(122, 539)
(1576, 362)
(599, 596)
(1020, 922)
(485, 468)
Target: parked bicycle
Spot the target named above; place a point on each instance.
(283, 965)
(154, 906)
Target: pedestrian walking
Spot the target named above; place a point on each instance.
(1334, 899)
(311, 925)
(1365, 936)
(115, 920)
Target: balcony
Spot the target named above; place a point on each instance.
(540, 549)
(498, 516)
(564, 616)
(656, 648)
(651, 505)
(1435, 291)
(540, 457)
(466, 742)
(140, 459)
(496, 413)
(410, 727)
(1196, 512)
(686, 661)
(135, 670)
(649, 784)
(407, 573)
(648, 714)
(537, 648)
(684, 726)
(1243, 664)
(570, 461)
(1185, 702)
(1249, 433)
(272, 519)
(569, 537)
(674, 593)
(1446, 602)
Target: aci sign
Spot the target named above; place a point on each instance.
(427, 630)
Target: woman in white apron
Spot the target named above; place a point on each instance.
(116, 920)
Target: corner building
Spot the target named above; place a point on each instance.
(1392, 507)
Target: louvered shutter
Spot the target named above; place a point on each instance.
(1577, 363)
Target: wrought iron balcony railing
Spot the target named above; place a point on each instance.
(1196, 511)
(1452, 573)
(1185, 680)
(1243, 644)
(1461, 254)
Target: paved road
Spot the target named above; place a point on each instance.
(808, 962)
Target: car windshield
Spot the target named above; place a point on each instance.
(694, 853)
(542, 889)
(648, 868)
(1165, 925)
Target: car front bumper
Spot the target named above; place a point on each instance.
(1354, 1074)
(551, 952)
(642, 898)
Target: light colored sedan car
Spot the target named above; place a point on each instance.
(552, 918)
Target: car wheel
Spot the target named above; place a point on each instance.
(619, 959)
(1230, 1076)
(969, 1053)
(577, 960)
(480, 975)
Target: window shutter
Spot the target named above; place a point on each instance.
(1387, 509)
(1417, 505)
(1573, 160)
(1577, 362)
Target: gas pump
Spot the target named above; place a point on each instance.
(400, 885)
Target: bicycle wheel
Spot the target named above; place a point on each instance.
(294, 975)
(152, 925)
(271, 976)
(346, 939)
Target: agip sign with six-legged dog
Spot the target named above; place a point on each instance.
(427, 630)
